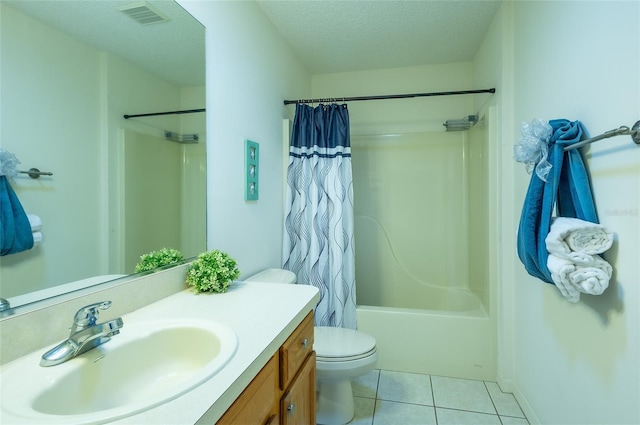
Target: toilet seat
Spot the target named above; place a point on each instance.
(340, 344)
(346, 358)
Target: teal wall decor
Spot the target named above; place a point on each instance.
(251, 168)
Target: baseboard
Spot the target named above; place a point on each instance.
(506, 385)
(525, 406)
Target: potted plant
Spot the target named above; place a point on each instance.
(160, 258)
(212, 271)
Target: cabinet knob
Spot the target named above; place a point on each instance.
(305, 343)
(291, 408)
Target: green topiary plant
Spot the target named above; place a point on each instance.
(155, 259)
(212, 271)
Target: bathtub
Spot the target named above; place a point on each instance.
(445, 343)
(421, 217)
(421, 325)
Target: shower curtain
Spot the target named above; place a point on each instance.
(318, 243)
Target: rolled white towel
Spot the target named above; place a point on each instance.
(37, 238)
(35, 222)
(577, 240)
(561, 269)
(571, 279)
(594, 278)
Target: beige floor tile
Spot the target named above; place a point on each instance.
(508, 420)
(461, 417)
(392, 413)
(363, 411)
(461, 394)
(505, 403)
(405, 387)
(367, 385)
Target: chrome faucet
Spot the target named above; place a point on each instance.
(85, 334)
(5, 308)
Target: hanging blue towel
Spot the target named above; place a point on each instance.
(567, 188)
(15, 230)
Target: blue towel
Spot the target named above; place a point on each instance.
(568, 189)
(15, 230)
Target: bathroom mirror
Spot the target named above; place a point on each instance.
(119, 188)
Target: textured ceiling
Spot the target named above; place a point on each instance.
(173, 50)
(328, 36)
(337, 36)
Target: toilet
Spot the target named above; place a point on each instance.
(341, 356)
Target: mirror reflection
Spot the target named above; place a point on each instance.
(119, 188)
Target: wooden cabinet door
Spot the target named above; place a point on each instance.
(298, 406)
(257, 405)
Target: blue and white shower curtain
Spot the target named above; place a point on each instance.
(318, 241)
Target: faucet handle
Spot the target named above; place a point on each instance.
(88, 314)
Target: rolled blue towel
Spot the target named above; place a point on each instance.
(15, 230)
(567, 188)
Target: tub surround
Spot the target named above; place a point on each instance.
(263, 316)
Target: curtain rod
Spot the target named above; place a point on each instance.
(389, 96)
(186, 111)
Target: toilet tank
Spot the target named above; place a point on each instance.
(273, 276)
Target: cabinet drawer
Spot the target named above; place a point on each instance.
(295, 350)
(258, 402)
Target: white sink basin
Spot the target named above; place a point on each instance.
(147, 364)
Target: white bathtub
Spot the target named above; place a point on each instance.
(457, 344)
(422, 251)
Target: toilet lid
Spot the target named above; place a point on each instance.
(332, 342)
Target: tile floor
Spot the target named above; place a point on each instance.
(385, 397)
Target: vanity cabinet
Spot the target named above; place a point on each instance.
(258, 403)
(298, 376)
(283, 392)
(298, 404)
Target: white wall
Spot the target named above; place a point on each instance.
(250, 71)
(579, 364)
(401, 115)
(493, 67)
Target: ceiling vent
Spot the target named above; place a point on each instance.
(143, 13)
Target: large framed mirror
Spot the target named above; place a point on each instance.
(70, 71)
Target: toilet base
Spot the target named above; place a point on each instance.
(334, 403)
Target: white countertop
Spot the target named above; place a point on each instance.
(262, 315)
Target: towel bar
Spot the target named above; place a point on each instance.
(634, 132)
(34, 173)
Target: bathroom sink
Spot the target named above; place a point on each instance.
(147, 364)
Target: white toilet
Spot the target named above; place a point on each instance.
(341, 356)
